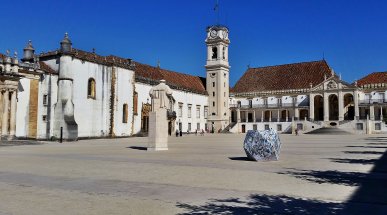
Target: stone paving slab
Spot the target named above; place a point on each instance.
(203, 175)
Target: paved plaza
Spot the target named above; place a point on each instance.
(316, 174)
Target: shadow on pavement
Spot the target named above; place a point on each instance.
(137, 148)
(240, 159)
(354, 161)
(369, 198)
(364, 152)
(263, 204)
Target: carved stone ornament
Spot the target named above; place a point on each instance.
(332, 85)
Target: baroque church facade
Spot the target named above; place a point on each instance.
(71, 94)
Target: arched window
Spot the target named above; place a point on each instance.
(214, 53)
(91, 88)
(125, 113)
(135, 102)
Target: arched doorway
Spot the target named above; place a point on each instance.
(333, 107)
(303, 114)
(318, 108)
(146, 108)
(267, 115)
(233, 116)
(349, 107)
(284, 115)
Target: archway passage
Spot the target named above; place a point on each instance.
(146, 108)
(233, 116)
(303, 114)
(284, 115)
(349, 107)
(267, 115)
(318, 108)
(333, 107)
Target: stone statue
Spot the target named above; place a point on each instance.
(160, 95)
(158, 122)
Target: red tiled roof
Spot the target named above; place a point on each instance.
(283, 77)
(142, 71)
(44, 67)
(93, 57)
(2, 56)
(173, 79)
(373, 78)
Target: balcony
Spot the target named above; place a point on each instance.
(269, 106)
(372, 101)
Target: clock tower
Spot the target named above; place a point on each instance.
(217, 68)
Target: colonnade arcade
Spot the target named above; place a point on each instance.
(334, 106)
(8, 102)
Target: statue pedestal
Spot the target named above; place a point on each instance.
(158, 130)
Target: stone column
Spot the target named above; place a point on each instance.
(356, 101)
(278, 115)
(254, 119)
(287, 115)
(311, 107)
(1, 109)
(12, 131)
(372, 112)
(341, 106)
(209, 53)
(262, 116)
(381, 113)
(326, 107)
(269, 116)
(4, 126)
(238, 115)
(247, 116)
(296, 113)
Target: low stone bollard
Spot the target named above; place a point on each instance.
(262, 145)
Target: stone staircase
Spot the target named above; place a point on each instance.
(228, 128)
(329, 131)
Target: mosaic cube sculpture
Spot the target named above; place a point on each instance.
(262, 145)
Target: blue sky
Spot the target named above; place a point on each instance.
(351, 34)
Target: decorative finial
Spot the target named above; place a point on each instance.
(66, 35)
(15, 54)
(94, 50)
(7, 52)
(158, 63)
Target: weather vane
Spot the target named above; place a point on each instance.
(216, 9)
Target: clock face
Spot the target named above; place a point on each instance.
(213, 33)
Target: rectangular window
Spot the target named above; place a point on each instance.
(44, 118)
(205, 112)
(189, 111)
(279, 127)
(378, 127)
(359, 126)
(213, 104)
(189, 126)
(180, 110)
(124, 113)
(300, 126)
(198, 111)
(198, 126)
(213, 94)
(213, 84)
(255, 127)
(224, 94)
(45, 100)
(267, 127)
